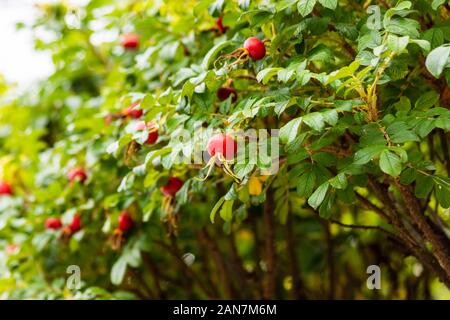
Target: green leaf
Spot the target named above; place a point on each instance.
(435, 36)
(344, 72)
(424, 185)
(390, 163)
(113, 147)
(216, 208)
(397, 44)
(436, 3)
(226, 213)
(330, 4)
(305, 7)
(339, 181)
(403, 27)
(408, 176)
(325, 209)
(265, 75)
(306, 183)
(424, 44)
(213, 52)
(367, 154)
(118, 271)
(403, 105)
(242, 169)
(443, 196)
(317, 197)
(290, 130)
(284, 75)
(437, 59)
(314, 120)
(427, 100)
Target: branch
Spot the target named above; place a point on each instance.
(330, 260)
(292, 256)
(436, 237)
(270, 256)
(221, 266)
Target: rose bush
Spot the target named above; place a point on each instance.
(360, 95)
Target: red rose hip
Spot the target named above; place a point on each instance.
(5, 189)
(172, 186)
(152, 132)
(75, 225)
(222, 144)
(125, 221)
(133, 111)
(224, 92)
(255, 48)
(53, 223)
(220, 26)
(77, 174)
(130, 41)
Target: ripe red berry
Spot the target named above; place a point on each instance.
(77, 174)
(130, 41)
(152, 133)
(5, 189)
(133, 111)
(53, 223)
(75, 225)
(224, 92)
(172, 186)
(220, 26)
(125, 221)
(255, 47)
(222, 144)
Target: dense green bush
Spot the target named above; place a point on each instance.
(360, 94)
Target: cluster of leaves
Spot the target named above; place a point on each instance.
(361, 97)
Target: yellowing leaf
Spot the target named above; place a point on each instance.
(254, 186)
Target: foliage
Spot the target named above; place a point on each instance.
(362, 105)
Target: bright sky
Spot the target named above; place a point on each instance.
(19, 62)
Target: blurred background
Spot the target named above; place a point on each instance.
(19, 62)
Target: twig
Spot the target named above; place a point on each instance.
(363, 227)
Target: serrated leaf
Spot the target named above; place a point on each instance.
(397, 44)
(265, 75)
(367, 154)
(242, 169)
(427, 100)
(390, 163)
(290, 130)
(317, 197)
(408, 176)
(314, 120)
(424, 185)
(305, 7)
(330, 4)
(306, 183)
